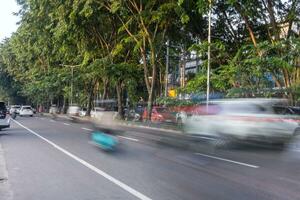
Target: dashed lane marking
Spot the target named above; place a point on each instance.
(227, 160)
(129, 138)
(87, 129)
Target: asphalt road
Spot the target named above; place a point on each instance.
(45, 159)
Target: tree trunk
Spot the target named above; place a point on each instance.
(90, 99)
(247, 23)
(151, 94)
(273, 20)
(105, 89)
(120, 98)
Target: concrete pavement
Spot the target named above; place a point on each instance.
(53, 159)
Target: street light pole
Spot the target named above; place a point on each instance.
(208, 54)
(72, 72)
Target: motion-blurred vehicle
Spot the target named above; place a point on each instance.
(286, 110)
(242, 120)
(26, 111)
(53, 109)
(15, 109)
(160, 114)
(4, 116)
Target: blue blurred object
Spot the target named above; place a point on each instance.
(105, 141)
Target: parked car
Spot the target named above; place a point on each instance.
(82, 112)
(4, 117)
(97, 112)
(134, 114)
(15, 109)
(242, 120)
(160, 114)
(73, 110)
(26, 111)
(53, 109)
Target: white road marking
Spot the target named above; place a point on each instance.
(297, 150)
(129, 138)
(87, 129)
(227, 160)
(90, 166)
(66, 124)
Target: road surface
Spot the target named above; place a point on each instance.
(46, 159)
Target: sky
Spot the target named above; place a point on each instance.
(7, 19)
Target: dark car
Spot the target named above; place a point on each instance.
(134, 114)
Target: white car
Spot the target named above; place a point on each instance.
(73, 110)
(15, 108)
(4, 117)
(82, 112)
(26, 111)
(242, 119)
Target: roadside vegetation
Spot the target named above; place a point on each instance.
(116, 49)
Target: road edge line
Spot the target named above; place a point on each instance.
(90, 166)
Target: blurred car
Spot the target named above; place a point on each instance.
(242, 120)
(160, 114)
(286, 110)
(53, 109)
(82, 112)
(4, 117)
(73, 110)
(97, 112)
(26, 111)
(15, 108)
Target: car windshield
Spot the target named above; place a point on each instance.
(26, 107)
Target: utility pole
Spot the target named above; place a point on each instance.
(72, 73)
(208, 54)
(167, 70)
(72, 69)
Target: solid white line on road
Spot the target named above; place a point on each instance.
(129, 138)
(90, 166)
(227, 160)
(87, 129)
(66, 124)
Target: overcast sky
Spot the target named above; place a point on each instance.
(7, 19)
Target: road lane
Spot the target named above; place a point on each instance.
(38, 171)
(166, 173)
